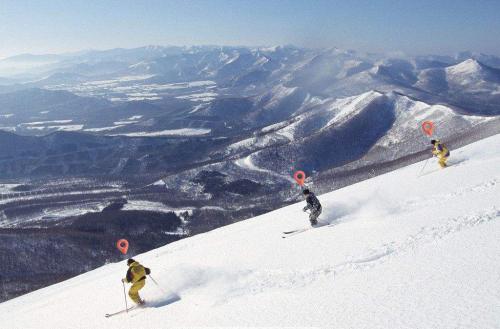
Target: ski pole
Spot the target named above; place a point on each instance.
(421, 170)
(157, 284)
(125, 296)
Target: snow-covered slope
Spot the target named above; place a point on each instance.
(400, 251)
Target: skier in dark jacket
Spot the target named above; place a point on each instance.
(313, 205)
(136, 275)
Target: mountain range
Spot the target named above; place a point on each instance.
(215, 132)
(249, 101)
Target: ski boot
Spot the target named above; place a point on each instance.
(314, 222)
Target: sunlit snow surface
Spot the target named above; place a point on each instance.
(401, 251)
(170, 132)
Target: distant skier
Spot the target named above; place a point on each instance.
(313, 205)
(136, 275)
(441, 151)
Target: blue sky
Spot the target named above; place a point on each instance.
(414, 27)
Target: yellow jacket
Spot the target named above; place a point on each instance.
(136, 272)
(440, 149)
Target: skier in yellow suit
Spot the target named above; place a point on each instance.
(136, 275)
(441, 151)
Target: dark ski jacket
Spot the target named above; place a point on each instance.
(312, 202)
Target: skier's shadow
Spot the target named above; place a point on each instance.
(164, 301)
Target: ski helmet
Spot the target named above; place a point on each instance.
(130, 261)
(433, 141)
(306, 191)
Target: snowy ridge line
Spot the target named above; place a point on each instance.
(4, 198)
(247, 163)
(352, 107)
(168, 132)
(342, 118)
(50, 192)
(57, 189)
(58, 210)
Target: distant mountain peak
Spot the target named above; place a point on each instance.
(270, 49)
(469, 66)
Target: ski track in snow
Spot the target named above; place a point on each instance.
(263, 280)
(422, 202)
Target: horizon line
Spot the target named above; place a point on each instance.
(259, 47)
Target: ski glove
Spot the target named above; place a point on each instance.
(306, 208)
(148, 271)
(124, 280)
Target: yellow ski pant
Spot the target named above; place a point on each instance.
(134, 290)
(442, 160)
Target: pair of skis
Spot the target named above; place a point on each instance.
(294, 232)
(108, 315)
(288, 234)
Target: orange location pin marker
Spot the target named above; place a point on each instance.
(300, 177)
(122, 245)
(428, 127)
